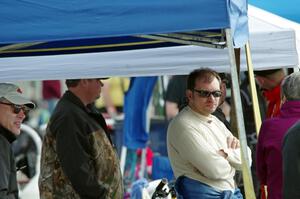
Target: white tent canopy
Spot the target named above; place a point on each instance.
(278, 21)
(272, 46)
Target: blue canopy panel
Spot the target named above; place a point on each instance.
(41, 21)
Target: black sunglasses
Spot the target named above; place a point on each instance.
(204, 93)
(17, 108)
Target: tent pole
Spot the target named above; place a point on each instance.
(247, 178)
(144, 150)
(18, 46)
(123, 159)
(233, 118)
(255, 106)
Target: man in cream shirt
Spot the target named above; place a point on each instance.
(203, 153)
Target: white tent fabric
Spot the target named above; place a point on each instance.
(279, 21)
(272, 46)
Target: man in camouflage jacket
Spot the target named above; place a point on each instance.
(78, 159)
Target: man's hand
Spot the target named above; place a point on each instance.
(222, 153)
(233, 142)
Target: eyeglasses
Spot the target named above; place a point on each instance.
(17, 108)
(204, 93)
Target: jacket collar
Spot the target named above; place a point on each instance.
(7, 134)
(89, 109)
(74, 99)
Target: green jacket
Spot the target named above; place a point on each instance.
(78, 159)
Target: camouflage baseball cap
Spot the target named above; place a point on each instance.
(13, 94)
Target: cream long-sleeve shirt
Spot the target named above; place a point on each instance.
(193, 143)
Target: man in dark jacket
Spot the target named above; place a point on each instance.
(13, 109)
(291, 163)
(78, 159)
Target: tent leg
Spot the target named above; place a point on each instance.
(247, 178)
(144, 150)
(123, 159)
(143, 163)
(256, 110)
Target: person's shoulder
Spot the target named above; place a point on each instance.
(294, 130)
(271, 122)
(179, 118)
(273, 128)
(67, 107)
(185, 118)
(66, 111)
(291, 140)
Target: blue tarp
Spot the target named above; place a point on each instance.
(135, 109)
(52, 20)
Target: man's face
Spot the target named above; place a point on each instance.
(204, 105)
(10, 120)
(94, 89)
(265, 83)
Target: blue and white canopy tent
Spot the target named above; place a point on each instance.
(101, 26)
(134, 56)
(31, 23)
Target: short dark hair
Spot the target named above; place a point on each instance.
(206, 74)
(72, 82)
(225, 77)
(265, 73)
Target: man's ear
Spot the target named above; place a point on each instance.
(83, 82)
(260, 80)
(189, 94)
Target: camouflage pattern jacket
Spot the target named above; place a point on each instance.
(78, 159)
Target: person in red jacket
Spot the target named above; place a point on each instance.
(269, 82)
(268, 157)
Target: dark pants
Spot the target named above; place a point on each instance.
(188, 188)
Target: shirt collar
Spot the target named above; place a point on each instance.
(204, 118)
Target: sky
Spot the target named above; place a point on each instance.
(284, 8)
